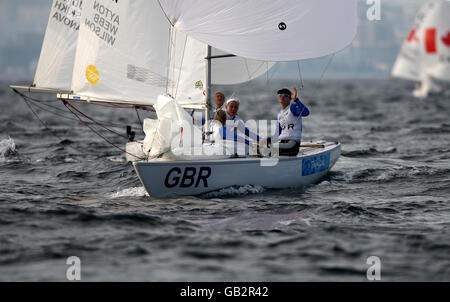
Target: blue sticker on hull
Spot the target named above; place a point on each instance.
(315, 164)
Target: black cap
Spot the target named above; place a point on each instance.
(284, 91)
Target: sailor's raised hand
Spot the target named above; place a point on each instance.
(294, 94)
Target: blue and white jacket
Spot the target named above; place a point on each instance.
(290, 122)
(236, 122)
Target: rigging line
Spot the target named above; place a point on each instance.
(300, 74)
(139, 107)
(169, 48)
(48, 128)
(322, 75)
(30, 98)
(135, 107)
(35, 103)
(109, 124)
(139, 118)
(33, 99)
(97, 123)
(250, 75)
(274, 72)
(181, 66)
(172, 61)
(168, 19)
(102, 105)
(54, 113)
(98, 134)
(301, 88)
(38, 104)
(42, 102)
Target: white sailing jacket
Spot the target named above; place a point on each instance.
(290, 121)
(236, 122)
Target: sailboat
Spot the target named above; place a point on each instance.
(425, 55)
(166, 55)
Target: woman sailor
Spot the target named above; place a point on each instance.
(234, 123)
(221, 132)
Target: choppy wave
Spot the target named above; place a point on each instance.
(387, 196)
(368, 152)
(387, 173)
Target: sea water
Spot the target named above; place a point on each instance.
(66, 192)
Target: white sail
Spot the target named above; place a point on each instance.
(407, 64)
(55, 65)
(426, 51)
(189, 63)
(187, 70)
(267, 30)
(122, 52)
(436, 41)
(126, 54)
(235, 70)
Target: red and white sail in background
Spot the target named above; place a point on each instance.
(425, 55)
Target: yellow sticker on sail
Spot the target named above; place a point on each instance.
(199, 84)
(92, 74)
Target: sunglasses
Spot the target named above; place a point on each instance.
(285, 95)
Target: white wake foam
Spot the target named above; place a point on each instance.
(130, 192)
(116, 159)
(235, 191)
(7, 148)
(232, 191)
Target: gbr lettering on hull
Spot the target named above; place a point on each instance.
(187, 177)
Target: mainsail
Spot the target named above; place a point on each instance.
(426, 52)
(226, 70)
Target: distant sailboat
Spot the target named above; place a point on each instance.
(425, 55)
(167, 54)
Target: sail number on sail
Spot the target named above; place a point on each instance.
(68, 14)
(105, 23)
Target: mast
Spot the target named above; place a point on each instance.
(209, 58)
(208, 87)
(208, 76)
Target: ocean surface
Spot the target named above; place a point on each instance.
(65, 192)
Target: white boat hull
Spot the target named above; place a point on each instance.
(162, 178)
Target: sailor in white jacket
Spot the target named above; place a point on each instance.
(289, 122)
